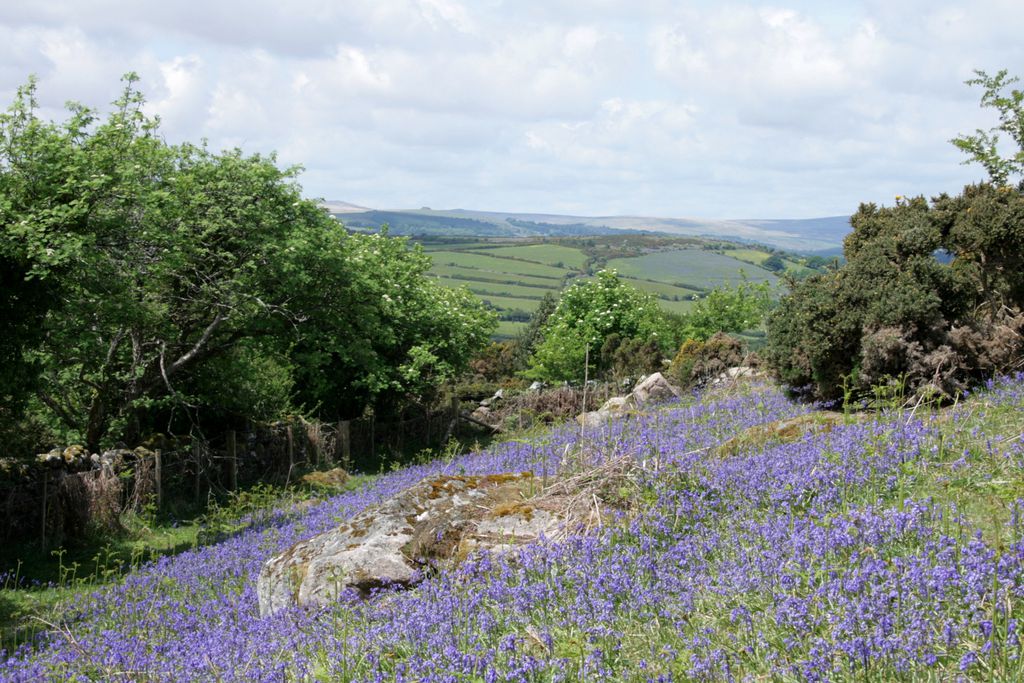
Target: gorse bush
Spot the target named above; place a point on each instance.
(898, 310)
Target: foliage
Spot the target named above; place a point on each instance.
(894, 310)
(624, 359)
(587, 314)
(983, 146)
(497, 361)
(774, 263)
(697, 361)
(727, 309)
(898, 310)
(151, 281)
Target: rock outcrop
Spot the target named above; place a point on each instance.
(433, 524)
(652, 389)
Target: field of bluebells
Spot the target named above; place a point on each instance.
(887, 548)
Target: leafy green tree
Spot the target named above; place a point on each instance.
(727, 309)
(587, 314)
(983, 146)
(527, 342)
(148, 280)
(379, 331)
(774, 263)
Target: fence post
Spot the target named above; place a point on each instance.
(42, 533)
(291, 454)
(345, 443)
(196, 458)
(232, 460)
(158, 476)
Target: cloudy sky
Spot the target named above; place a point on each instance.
(793, 108)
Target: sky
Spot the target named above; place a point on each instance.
(790, 109)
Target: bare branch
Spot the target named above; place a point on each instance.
(197, 347)
(61, 411)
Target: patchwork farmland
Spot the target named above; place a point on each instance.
(513, 276)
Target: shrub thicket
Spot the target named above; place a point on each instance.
(931, 294)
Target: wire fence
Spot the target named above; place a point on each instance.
(50, 504)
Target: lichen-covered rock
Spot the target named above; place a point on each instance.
(653, 389)
(617, 406)
(782, 431)
(335, 478)
(734, 373)
(434, 523)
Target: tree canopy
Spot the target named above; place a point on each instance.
(588, 314)
(144, 281)
(897, 310)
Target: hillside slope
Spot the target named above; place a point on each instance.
(874, 547)
(807, 235)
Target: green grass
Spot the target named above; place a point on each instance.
(676, 306)
(42, 581)
(550, 254)
(692, 267)
(491, 264)
(663, 289)
(488, 288)
(970, 467)
(754, 256)
(459, 273)
(508, 329)
(508, 303)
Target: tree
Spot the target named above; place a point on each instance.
(727, 309)
(172, 273)
(983, 146)
(774, 263)
(587, 314)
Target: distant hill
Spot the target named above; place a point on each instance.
(821, 235)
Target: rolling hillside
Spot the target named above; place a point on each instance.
(823, 235)
(513, 276)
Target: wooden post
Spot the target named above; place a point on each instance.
(42, 533)
(345, 443)
(291, 453)
(158, 477)
(196, 451)
(315, 444)
(232, 460)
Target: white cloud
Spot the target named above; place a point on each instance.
(715, 109)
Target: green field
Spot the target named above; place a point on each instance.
(749, 255)
(514, 277)
(692, 267)
(676, 306)
(492, 264)
(508, 329)
(758, 257)
(661, 289)
(456, 246)
(508, 303)
(488, 288)
(464, 274)
(550, 254)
